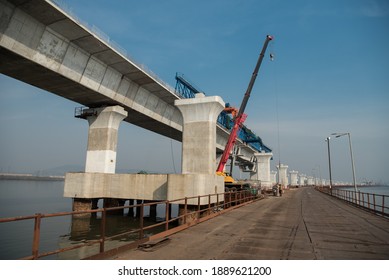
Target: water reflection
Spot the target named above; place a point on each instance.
(22, 198)
(123, 227)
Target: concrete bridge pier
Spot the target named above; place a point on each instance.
(302, 180)
(114, 202)
(198, 148)
(273, 177)
(293, 178)
(263, 170)
(199, 133)
(101, 151)
(102, 139)
(283, 175)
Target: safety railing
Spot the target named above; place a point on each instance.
(376, 203)
(189, 214)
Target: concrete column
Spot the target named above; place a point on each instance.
(293, 178)
(102, 139)
(273, 177)
(199, 133)
(282, 173)
(263, 169)
(102, 143)
(114, 202)
(302, 180)
(199, 116)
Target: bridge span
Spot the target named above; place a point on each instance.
(43, 45)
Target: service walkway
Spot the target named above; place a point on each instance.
(302, 224)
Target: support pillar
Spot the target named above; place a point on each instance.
(293, 178)
(273, 177)
(302, 180)
(102, 144)
(199, 133)
(263, 169)
(199, 116)
(102, 139)
(131, 209)
(114, 202)
(153, 212)
(282, 173)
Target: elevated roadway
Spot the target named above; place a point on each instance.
(44, 46)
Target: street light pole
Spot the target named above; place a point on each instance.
(351, 153)
(352, 162)
(329, 161)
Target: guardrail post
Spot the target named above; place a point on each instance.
(368, 200)
(209, 204)
(185, 209)
(37, 232)
(102, 229)
(383, 205)
(198, 206)
(167, 216)
(141, 221)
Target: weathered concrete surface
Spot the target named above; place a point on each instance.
(262, 172)
(293, 178)
(103, 138)
(302, 224)
(199, 133)
(283, 175)
(143, 186)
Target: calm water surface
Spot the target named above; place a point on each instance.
(382, 190)
(24, 198)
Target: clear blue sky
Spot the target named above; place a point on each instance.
(330, 74)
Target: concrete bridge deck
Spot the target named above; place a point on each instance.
(302, 224)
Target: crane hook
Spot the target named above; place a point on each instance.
(271, 56)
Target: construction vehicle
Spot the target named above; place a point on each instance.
(239, 119)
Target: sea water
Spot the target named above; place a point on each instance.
(25, 198)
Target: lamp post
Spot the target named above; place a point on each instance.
(329, 161)
(337, 135)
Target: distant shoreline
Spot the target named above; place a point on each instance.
(30, 177)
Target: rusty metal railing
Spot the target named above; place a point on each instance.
(376, 203)
(217, 204)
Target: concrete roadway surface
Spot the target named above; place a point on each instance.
(302, 224)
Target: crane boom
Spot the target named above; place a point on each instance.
(241, 117)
